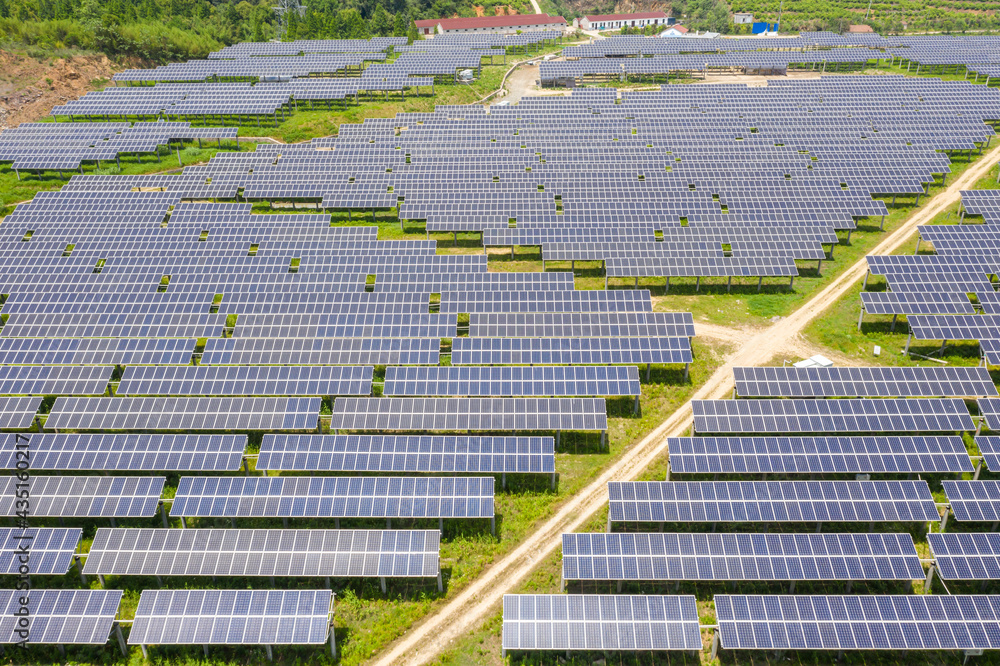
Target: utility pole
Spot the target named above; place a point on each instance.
(780, 5)
(282, 10)
(869, 9)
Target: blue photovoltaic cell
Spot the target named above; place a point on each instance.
(722, 556)
(974, 501)
(516, 381)
(49, 549)
(770, 501)
(898, 622)
(600, 622)
(402, 453)
(265, 552)
(63, 617)
(812, 455)
(569, 351)
(184, 413)
(825, 416)
(86, 496)
(989, 448)
(134, 452)
(232, 617)
(198, 380)
(502, 414)
(966, 555)
(18, 413)
(873, 382)
(334, 497)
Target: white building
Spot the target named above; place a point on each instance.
(674, 31)
(742, 18)
(618, 21)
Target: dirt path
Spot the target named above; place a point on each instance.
(534, 3)
(469, 608)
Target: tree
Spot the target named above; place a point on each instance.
(411, 34)
(399, 22)
(380, 22)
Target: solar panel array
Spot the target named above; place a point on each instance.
(812, 455)
(784, 557)
(965, 555)
(48, 550)
(265, 552)
(84, 496)
(334, 497)
(62, 617)
(400, 453)
(217, 318)
(171, 413)
(777, 416)
(134, 452)
(600, 622)
(232, 617)
(770, 501)
(862, 382)
(876, 622)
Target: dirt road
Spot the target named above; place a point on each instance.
(469, 608)
(534, 3)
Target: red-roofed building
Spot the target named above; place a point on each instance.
(427, 26)
(493, 24)
(617, 21)
(674, 31)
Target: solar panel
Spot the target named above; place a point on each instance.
(54, 380)
(862, 382)
(600, 622)
(989, 448)
(507, 381)
(246, 380)
(989, 408)
(581, 324)
(86, 496)
(389, 453)
(184, 414)
(770, 501)
(817, 455)
(569, 351)
(49, 550)
(62, 617)
(265, 552)
(973, 501)
(322, 351)
(18, 413)
(966, 555)
(232, 617)
(504, 414)
(134, 452)
(904, 415)
(722, 556)
(334, 497)
(863, 622)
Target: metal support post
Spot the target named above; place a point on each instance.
(121, 639)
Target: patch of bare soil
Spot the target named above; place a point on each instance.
(30, 87)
